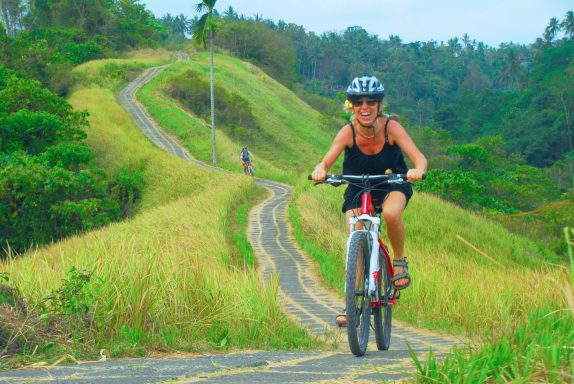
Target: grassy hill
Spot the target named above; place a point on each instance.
(292, 136)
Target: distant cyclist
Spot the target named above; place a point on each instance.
(245, 157)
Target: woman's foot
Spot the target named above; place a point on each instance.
(401, 278)
(341, 320)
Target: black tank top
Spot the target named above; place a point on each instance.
(358, 163)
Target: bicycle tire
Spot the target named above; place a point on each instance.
(250, 170)
(356, 294)
(383, 315)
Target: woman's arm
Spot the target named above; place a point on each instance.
(339, 144)
(402, 138)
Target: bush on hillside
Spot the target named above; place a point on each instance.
(49, 187)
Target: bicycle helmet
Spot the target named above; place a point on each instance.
(365, 86)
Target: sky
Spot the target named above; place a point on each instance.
(489, 21)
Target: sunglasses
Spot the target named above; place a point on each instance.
(359, 103)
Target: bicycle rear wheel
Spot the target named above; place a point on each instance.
(356, 292)
(383, 315)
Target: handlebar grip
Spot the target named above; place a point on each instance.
(404, 176)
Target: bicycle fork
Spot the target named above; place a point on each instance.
(374, 266)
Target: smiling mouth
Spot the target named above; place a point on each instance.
(365, 115)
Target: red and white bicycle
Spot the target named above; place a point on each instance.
(369, 267)
(248, 168)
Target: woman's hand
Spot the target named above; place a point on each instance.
(415, 175)
(319, 173)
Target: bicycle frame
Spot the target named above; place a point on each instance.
(246, 165)
(372, 221)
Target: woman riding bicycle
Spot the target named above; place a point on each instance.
(374, 144)
(245, 157)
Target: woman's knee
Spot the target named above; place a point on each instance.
(392, 216)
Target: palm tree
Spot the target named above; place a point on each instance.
(230, 13)
(568, 24)
(551, 30)
(205, 26)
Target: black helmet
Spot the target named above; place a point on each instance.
(366, 86)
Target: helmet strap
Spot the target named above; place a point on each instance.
(372, 126)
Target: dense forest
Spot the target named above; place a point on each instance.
(496, 123)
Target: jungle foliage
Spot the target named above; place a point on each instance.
(49, 187)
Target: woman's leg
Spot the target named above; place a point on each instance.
(350, 213)
(393, 207)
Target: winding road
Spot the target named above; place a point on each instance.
(302, 296)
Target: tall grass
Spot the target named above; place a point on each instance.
(167, 276)
(454, 287)
(539, 350)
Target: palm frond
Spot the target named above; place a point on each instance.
(200, 30)
(200, 7)
(205, 5)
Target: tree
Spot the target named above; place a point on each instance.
(567, 24)
(551, 30)
(177, 26)
(11, 15)
(205, 27)
(230, 13)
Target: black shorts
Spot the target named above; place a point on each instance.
(353, 195)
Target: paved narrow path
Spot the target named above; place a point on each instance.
(302, 297)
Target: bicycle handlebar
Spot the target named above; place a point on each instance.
(336, 179)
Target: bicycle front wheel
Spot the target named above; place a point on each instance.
(383, 315)
(250, 170)
(356, 292)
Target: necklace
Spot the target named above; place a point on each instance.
(365, 136)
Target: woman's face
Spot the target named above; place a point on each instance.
(365, 110)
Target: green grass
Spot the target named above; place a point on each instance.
(245, 255)
(540, 349)
(114, 73)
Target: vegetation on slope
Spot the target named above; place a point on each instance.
(167, 279)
